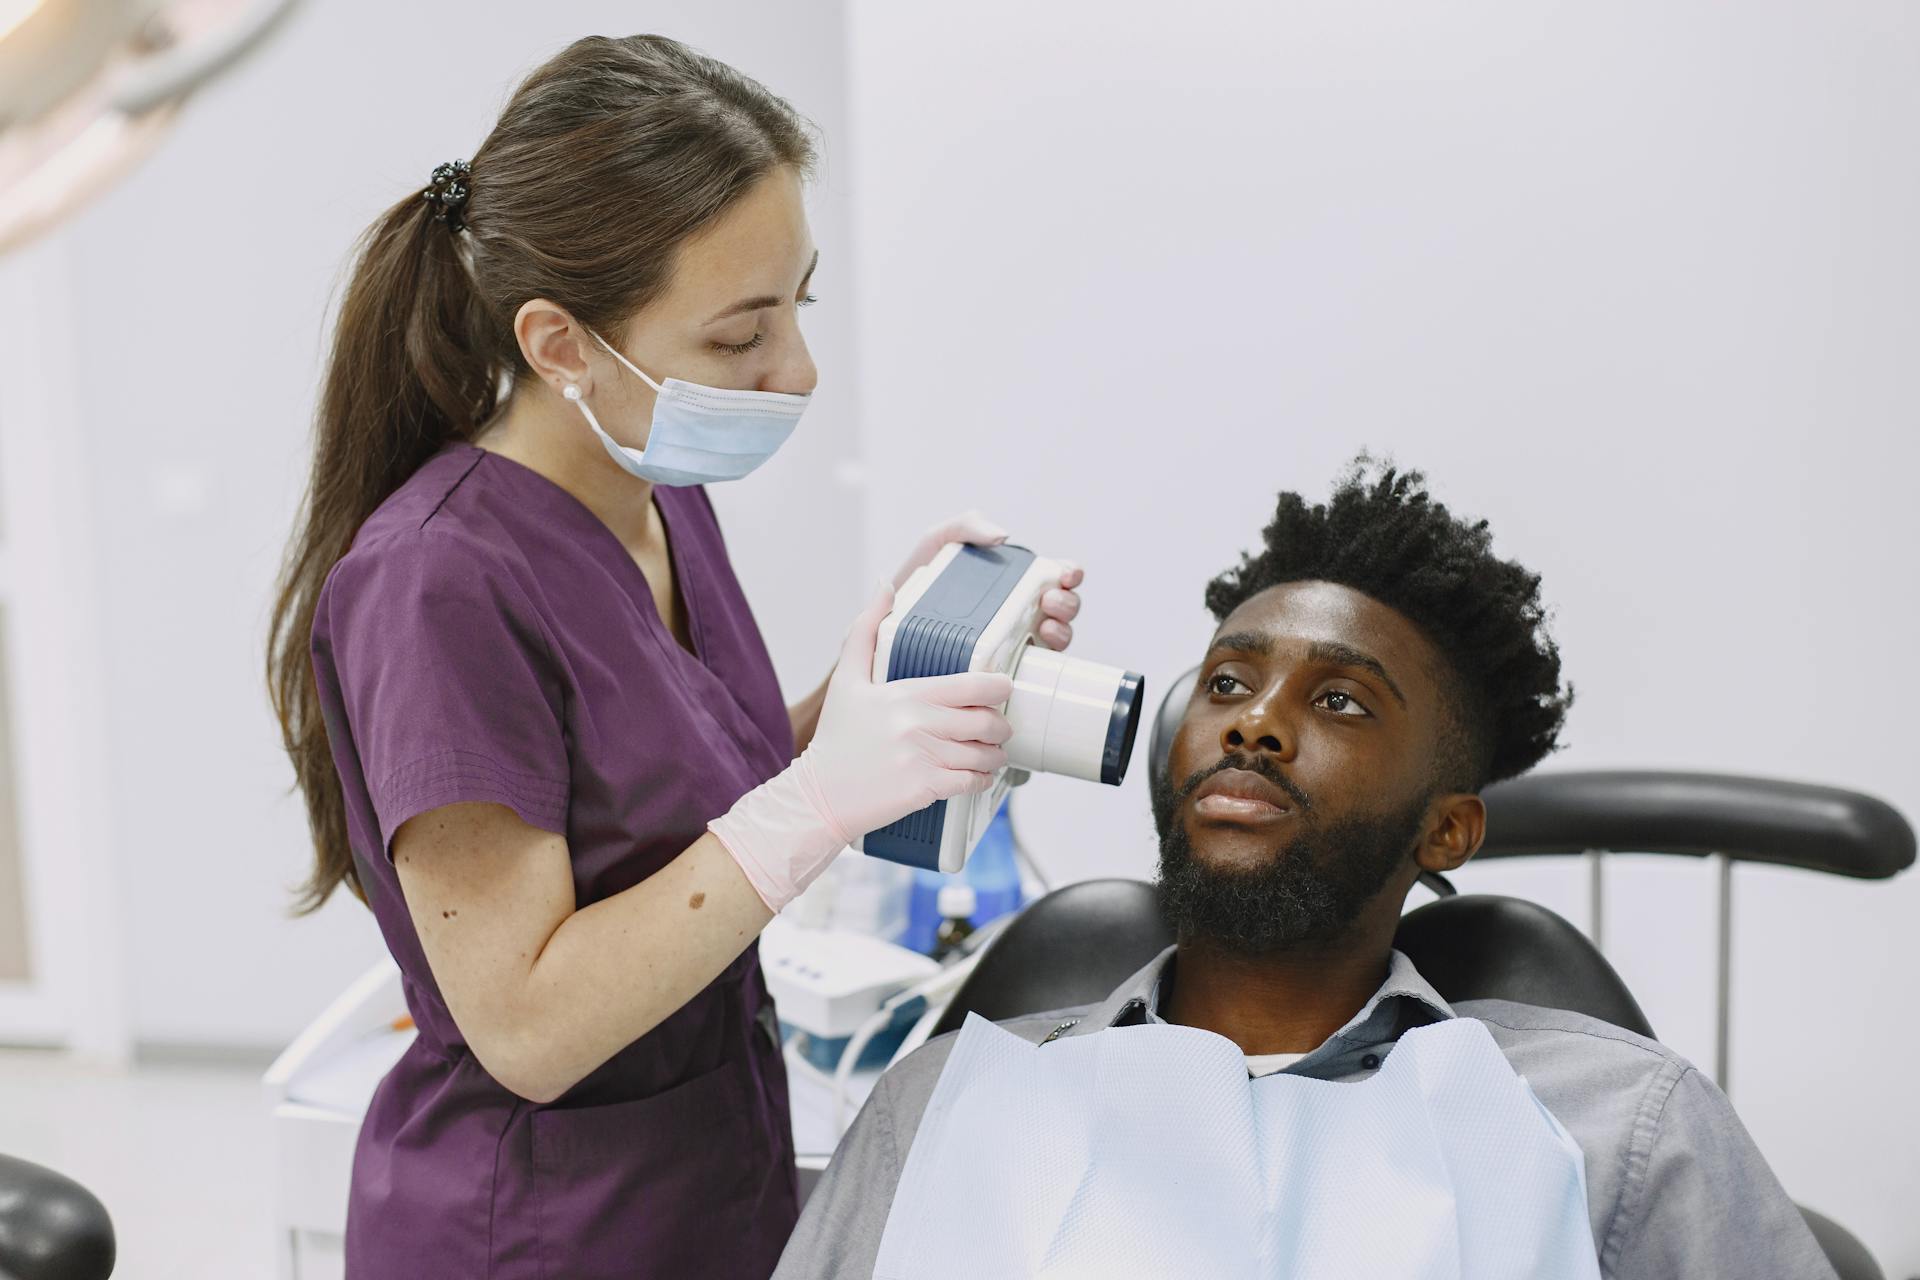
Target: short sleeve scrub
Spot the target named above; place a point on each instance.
(487, 638)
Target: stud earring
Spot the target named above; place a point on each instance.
(572, 391)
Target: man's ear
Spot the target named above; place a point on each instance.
(554, 345)
(1454, 833)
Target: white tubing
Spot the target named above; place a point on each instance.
(937, 988)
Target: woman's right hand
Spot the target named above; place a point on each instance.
(890, 748)
(884, 749)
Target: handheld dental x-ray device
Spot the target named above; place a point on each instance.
(975, 609)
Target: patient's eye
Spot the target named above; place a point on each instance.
(1340, 702)
(1218, 679)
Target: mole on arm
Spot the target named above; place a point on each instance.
(697, 901)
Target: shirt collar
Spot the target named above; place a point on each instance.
(1404, 1001)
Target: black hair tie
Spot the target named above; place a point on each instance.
(447, 193)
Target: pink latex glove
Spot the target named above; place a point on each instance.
(882, 751)
(1058, 607)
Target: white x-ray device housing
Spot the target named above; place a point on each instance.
(976, 609)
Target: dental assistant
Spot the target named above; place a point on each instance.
(532, 715)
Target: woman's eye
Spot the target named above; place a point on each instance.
(1340, 702)
(740, 348)
(807, 301)
(1215, 681)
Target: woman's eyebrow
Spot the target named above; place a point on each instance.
(1345, 655)
(766, 300)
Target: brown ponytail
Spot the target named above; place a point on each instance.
(605, 160)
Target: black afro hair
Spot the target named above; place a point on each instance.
(1384, 536)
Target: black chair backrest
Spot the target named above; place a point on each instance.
(1481, 946)
(1074, 946)
(1078, 943)
(51, 1227)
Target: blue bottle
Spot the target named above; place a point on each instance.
(992, 870)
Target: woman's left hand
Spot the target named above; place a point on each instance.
(1058, 607)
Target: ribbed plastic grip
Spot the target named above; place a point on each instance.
(937, 638)
(925, 646)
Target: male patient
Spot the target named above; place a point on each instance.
(1375, 666)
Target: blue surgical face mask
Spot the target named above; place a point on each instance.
(700, 434)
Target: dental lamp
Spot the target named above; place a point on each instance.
(89, 87)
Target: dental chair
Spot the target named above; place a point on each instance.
(1075, 945)
(51, 1227)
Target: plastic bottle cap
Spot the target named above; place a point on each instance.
(958, 901)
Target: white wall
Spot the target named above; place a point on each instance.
(198, 293)
(1635, 282)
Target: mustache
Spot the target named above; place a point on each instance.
(1251, 764)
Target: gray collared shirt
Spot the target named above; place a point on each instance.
(1675, 1186)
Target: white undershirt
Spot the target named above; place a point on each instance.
(1258, 1064)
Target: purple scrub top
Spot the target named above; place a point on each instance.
(487, 638)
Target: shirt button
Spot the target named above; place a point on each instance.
(1371, 1062)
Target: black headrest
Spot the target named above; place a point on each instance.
(1793, 824)
(1074, 946)
(1078, 943)
(1166, 723)
(1481, 946)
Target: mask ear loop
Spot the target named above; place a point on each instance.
(572, 392)
(657, 388)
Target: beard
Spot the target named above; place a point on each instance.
(1310, 891)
